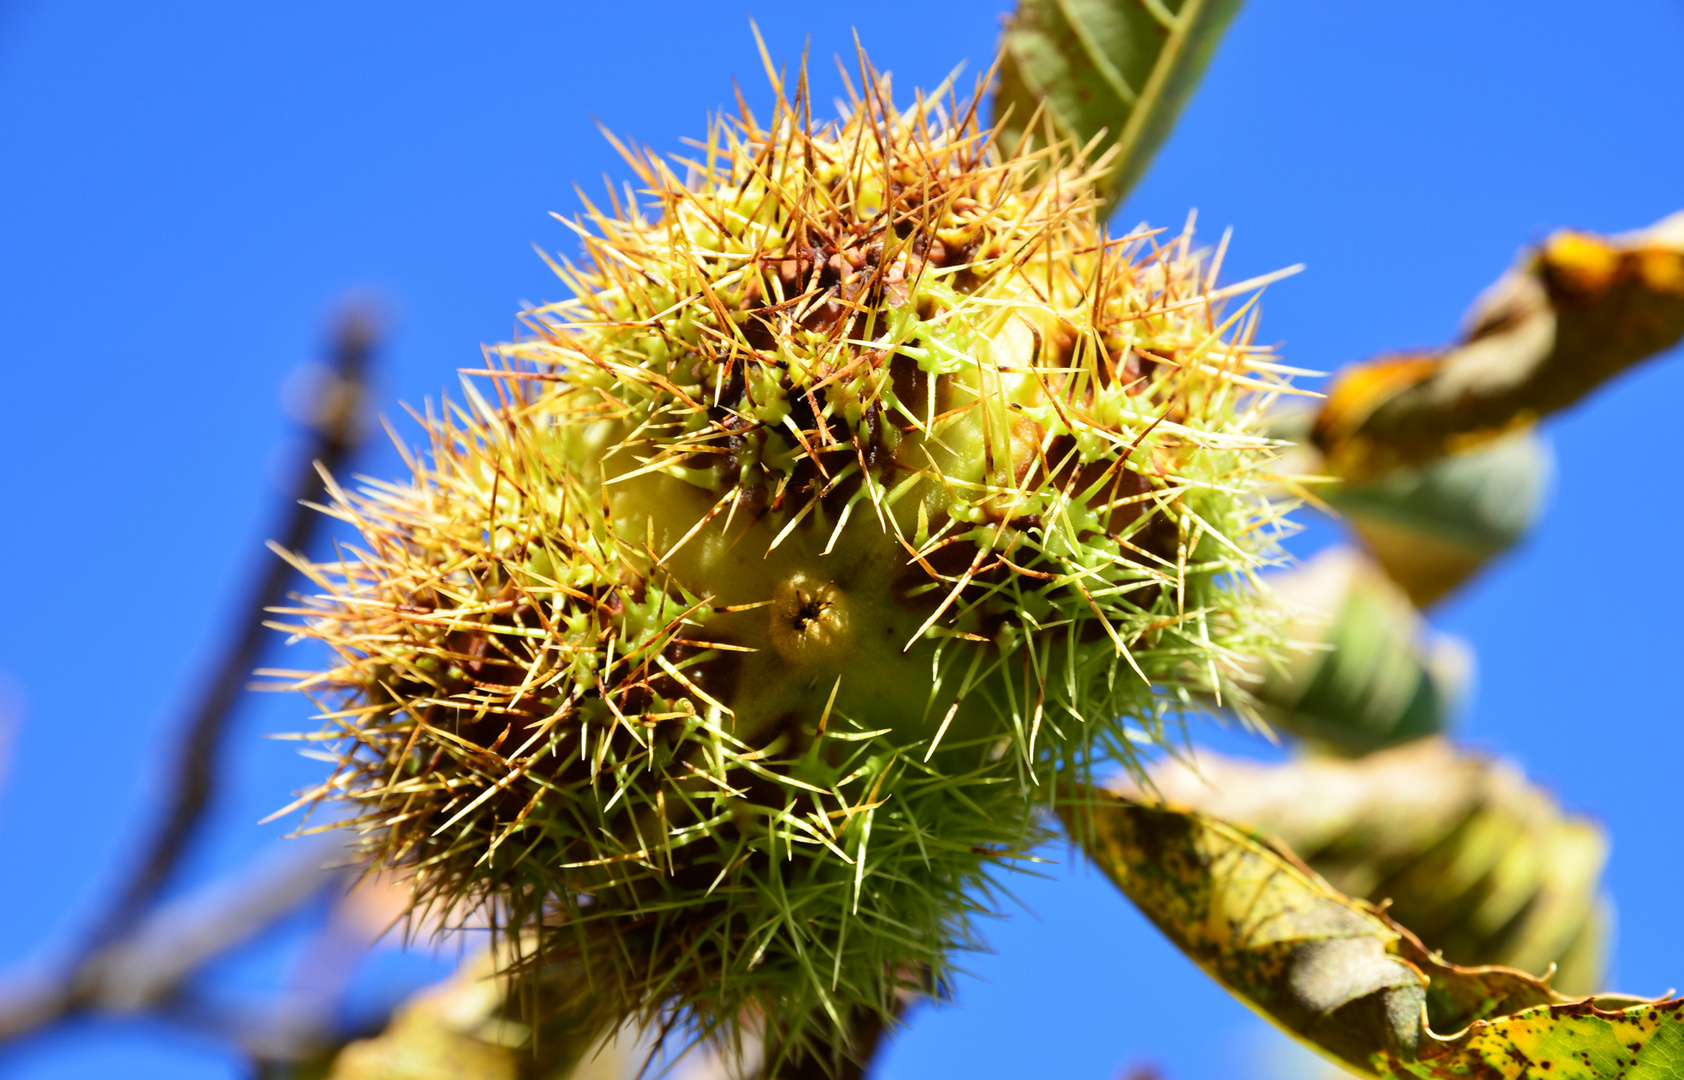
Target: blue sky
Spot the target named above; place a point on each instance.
(186, 189)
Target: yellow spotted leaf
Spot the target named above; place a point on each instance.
(1573, 314)
(1575, 1041)
(1340, 975)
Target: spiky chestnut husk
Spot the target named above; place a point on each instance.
(863, 487)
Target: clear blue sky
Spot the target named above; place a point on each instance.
(186, 188)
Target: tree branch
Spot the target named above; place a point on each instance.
(148, 966)
(335, 424)
(135, 957)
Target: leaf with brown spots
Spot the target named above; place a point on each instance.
(1576, 1041)
(1342, 977)
(1571, 315)
(1120, 69)
(1323, 967)
(1477, 860)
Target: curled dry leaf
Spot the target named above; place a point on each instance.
(1342, 976)
(1483, 865)
(1116, 70)
(1571, 315)
(1265, 927)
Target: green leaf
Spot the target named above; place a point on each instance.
(1573, 314)
(1372, 673)
(1340, 975)
(1123, 68)
(1431, 527)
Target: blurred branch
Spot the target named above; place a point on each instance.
(137, 956)
(1573, 314)
(335, 426)
(144, 967)
(147, 967)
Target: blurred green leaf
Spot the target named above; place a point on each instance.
(1481, 864)
(1341, 975)
(1573, 314)
(1371, 673)
(1121, 67)
(1431, 527)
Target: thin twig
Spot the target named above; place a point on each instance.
(147, 968)
(335, 425)
(113, 967)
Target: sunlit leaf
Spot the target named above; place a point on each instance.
(1342, 976)
(1571, 315)
(1123, 68)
